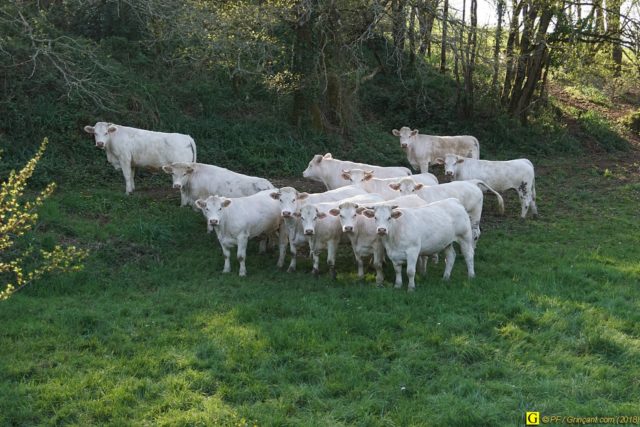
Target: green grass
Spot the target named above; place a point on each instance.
(152, 333)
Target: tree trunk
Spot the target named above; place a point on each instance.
(613, 28)
(467, 106)
(412, 35)
(496, 48)
(443, 48)
(426, 18)
(511, 41)
(531, 13)
(399, 28)
(302, 63)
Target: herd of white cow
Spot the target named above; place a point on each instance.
(381, 211)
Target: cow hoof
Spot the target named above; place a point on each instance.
(398, 286)
(333, 274)
(411, 289)
(291, 269)
(315, 272)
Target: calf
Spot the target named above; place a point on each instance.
(236, 220)
(128, 148)
(324, 231)
(199, 180)
(424, 149)
(328, 170)
(500, 175)
(408, 233)
(467, 192)
(361, 231)
(290, 203)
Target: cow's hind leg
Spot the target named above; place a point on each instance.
(466, 247)
(524, 192)
(450, 259)
(242, 254)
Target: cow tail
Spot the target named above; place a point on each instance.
(481, 184)
(193, 149)
(477, 144)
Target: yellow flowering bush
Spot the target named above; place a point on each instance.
(18, 216)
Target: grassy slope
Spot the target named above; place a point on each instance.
(152, 333)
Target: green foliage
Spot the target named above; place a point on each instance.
(632, 121)
(603, 131)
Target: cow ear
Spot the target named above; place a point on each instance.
(334, 212)
(167, 169)
(360, 210)
(395, 187)
(368, 175)
(201, 203)
(275, 195)
(302, 196)
(112, 129)
(328, 156)
(89, 129)
(317, 158)
(226, 203)
(189, 169)
(414, 132)
(396, 214)
(418, 186)
(395, 132)
(460, 160)
(438, 161)
(321, 215)
(346, 175)
(369, 213)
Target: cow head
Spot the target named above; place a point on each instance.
(180, 173)
(213, 210)
(289, 200)
(357, 177)
(102, 133)
(348, 213)
(315, 169)
(406, 136)
(384, 216)
(406, 186)
(450, 162)
(309, 216)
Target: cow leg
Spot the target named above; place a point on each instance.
(360, 265)
(242, 253)
(424, 167)
(412, 261)
(128, 179)
(133, 177)
(262, 248)
(282, 247)
(422, 265)
(316, 262)
(525, 197)
(378, 256)
(226, 251)
(449, 260)
(397, 266)
(467, 250)
(533, 206)
(184, 200)
(332, 247)
(294, 253)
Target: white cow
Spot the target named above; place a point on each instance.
(328, 170)
(128, 148)
(408, 233)
(500, 175)
(199, 180)
(423, 150)
(290, 203)
(362, 234)
(324, 231)
(366, 180)
(469, 193)
(236, 220)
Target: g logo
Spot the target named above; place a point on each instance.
(532, 418)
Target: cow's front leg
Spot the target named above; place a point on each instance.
(412, 260)
(332, 246)
(184, 200)
(128, 178)
(282, 246)
(316, 260)
(378, 256)
(242, 254)
(424, 167)
(397, 266)
(449, 260)
(226, 251)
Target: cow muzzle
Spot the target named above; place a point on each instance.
(403, 145)
(347, 228)
(100, 144)
(286, 214)
(177, 186)
(308, 232)
(213, 222)
(382, 231)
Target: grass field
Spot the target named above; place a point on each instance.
(151, 332)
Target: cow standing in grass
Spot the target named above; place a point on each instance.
(129, 148)
(500, 175)
(199, 180)
(410, 233)
(422, 150)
